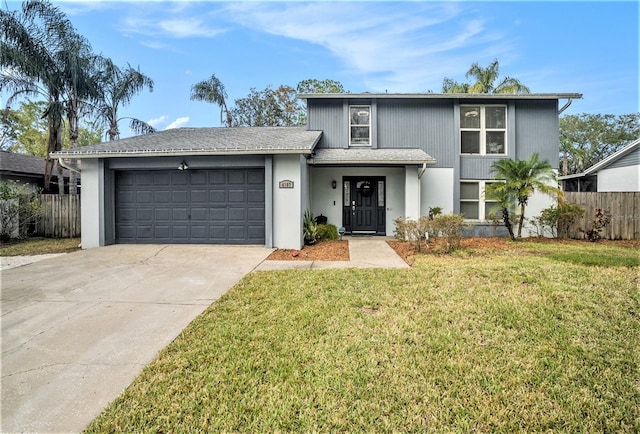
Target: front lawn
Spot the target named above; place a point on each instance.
(39, 246)
(534, 338)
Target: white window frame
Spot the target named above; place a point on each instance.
(357, 145)
(481, 201)
(483, 130)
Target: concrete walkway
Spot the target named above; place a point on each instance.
(364, 252)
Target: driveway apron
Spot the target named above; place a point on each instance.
(78, 328)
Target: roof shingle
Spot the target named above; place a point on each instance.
(205, 141)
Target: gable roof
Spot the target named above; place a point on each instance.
(204, 141)
(12, 163)
(603, 164)
(370, 156)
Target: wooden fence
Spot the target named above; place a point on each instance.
(623, 206)
(60, 217)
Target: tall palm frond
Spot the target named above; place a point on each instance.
(117, 87)
(212, 91)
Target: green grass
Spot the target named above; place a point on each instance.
(39, 246)
(531, 339)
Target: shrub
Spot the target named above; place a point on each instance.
(327, 232)
(600, 220)
(309, 228)
(559, 219)
(413, 230)
(450, 227)
(19, 207)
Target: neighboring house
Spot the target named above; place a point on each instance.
(362, 161)
(620, 171)
(27, 169)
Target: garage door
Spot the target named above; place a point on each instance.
(190, 206)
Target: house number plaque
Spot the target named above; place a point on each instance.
(286, 184)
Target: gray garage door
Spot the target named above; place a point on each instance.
(190, 206)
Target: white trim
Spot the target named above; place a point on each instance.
(481, 201)
(351, 125)
(483, 129)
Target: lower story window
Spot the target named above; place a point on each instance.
(473, 203)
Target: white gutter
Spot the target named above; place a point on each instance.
(63, 164)
(424, 169)
(566, 106)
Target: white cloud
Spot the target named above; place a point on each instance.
(180, 25)
(395, 46)
(178, 123)
(186, 28)
(156, 122)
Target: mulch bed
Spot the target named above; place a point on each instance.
(321, 251)
(339, 250)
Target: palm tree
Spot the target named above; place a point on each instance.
(522, 178)
(116, 88)
(42, 55)
(485, 81)
(213, 91)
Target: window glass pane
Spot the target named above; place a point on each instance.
(470, 142)
(346, 186)
(495, 142)
(359, 135)
(380, 193)
(469, 117)
(495, 117)
(360, 115)
(469, 190)
(491, 211)
(469, 210)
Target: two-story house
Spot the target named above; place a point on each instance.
(362, 161)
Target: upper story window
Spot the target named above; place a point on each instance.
(483, 129)
(360, 125)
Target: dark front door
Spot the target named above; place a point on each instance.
(364, 205)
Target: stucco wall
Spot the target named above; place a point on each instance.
(288, 205)
(437, 189)
(619, 179)
(92, 199)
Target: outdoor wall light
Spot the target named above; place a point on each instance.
(183, 165)
(334, 184)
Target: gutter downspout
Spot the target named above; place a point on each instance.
(566, 106)
(424, 168)
(63, 164)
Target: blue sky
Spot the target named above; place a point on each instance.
(553, 47)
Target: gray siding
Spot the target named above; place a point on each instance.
(425, 124)
(327, 116)
(476, 167)
(537, 130)
(631, 159)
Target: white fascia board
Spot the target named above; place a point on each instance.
(185, 153)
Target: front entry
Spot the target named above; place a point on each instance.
(363, 205)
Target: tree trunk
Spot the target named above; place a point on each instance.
(507, 223)
(60, 179)
(521, 221)
(73, 144)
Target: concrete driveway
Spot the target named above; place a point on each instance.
(78, 328)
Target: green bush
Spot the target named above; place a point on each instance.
(412, 230)
(559, 219)
(327, 232)
(19, 207)
(450, 227)
(309, 228)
